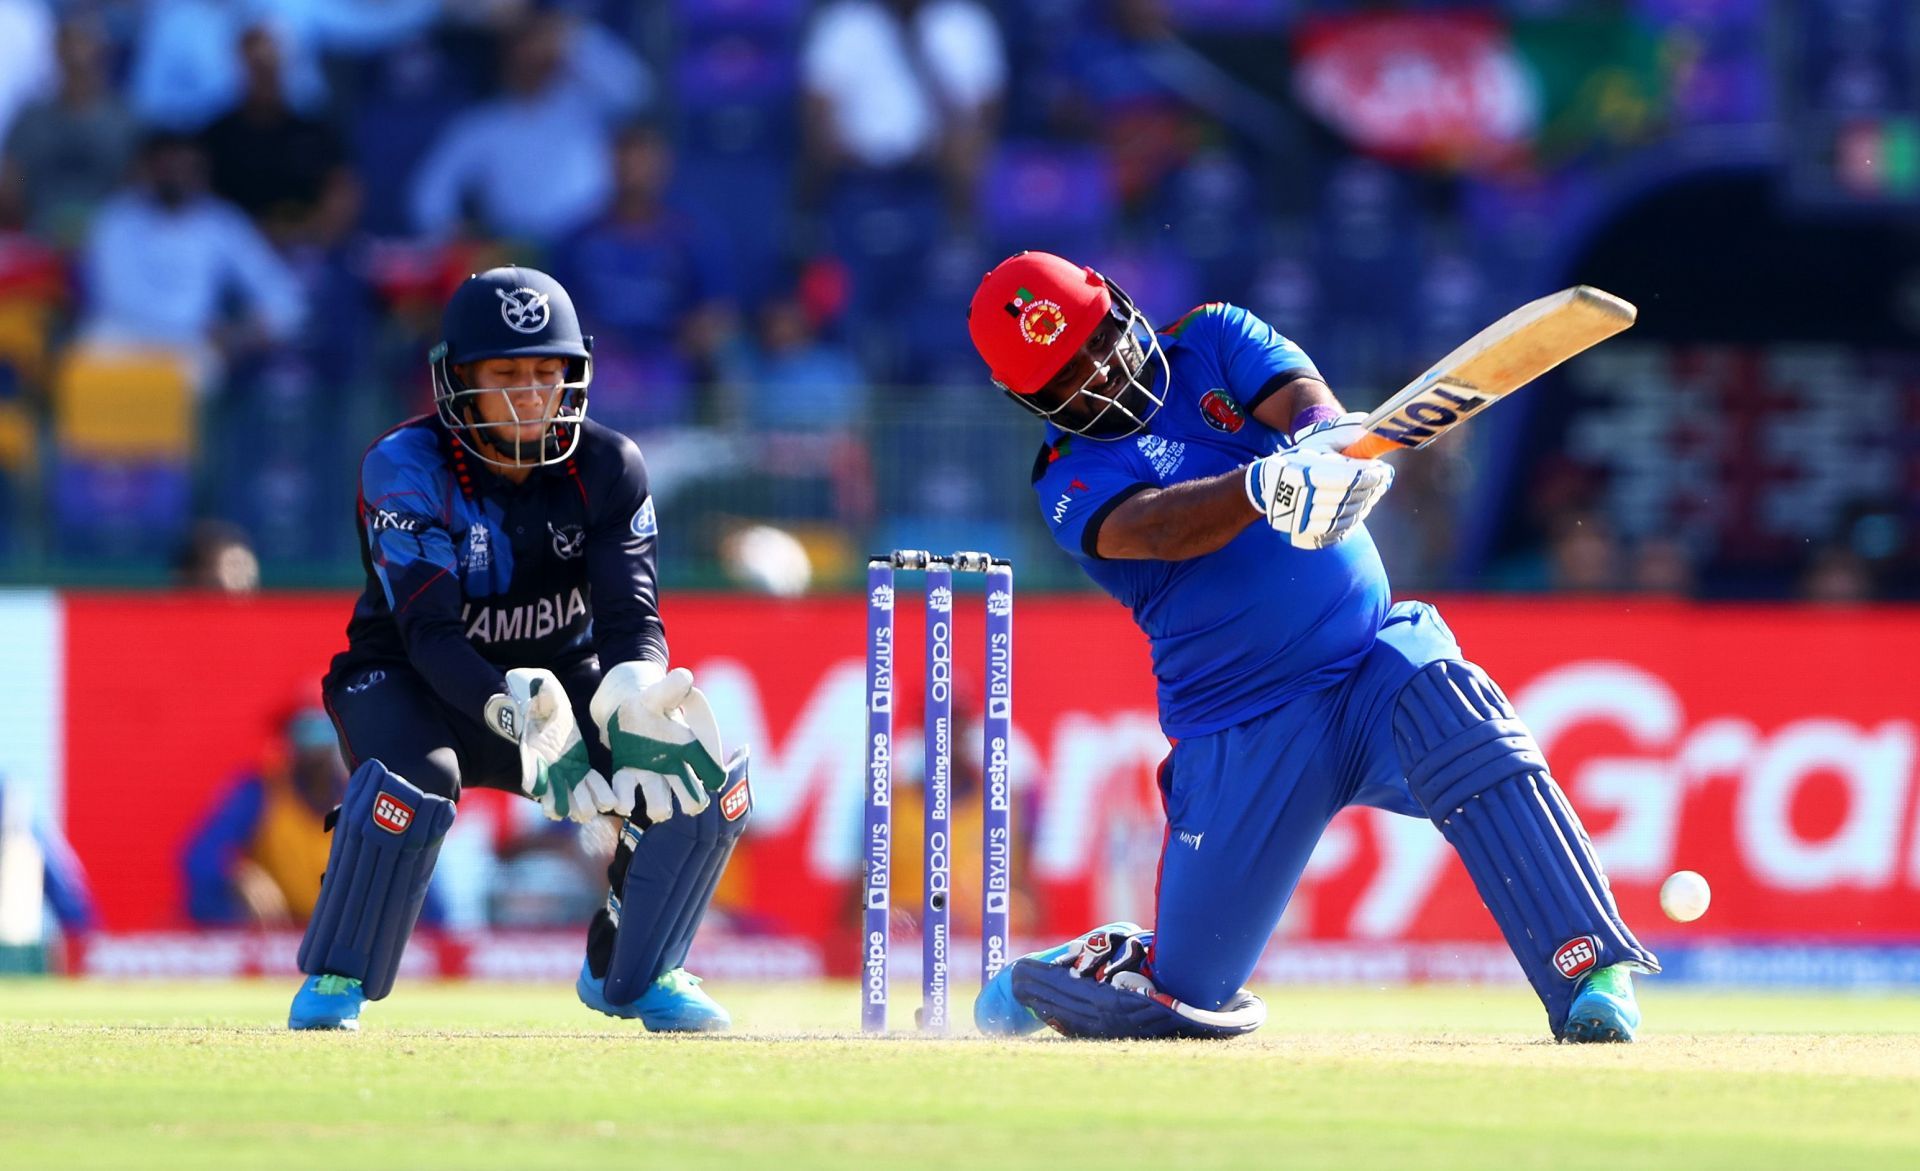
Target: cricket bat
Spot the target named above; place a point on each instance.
(1492, 364)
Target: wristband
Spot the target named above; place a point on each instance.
(1318, 413)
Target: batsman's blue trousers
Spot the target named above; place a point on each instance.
(1246, 805)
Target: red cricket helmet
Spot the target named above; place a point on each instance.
(1032, 313)
(1036, 313)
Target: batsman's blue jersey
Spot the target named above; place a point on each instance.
(1241, 630)
(469, 574)
(1293, 692)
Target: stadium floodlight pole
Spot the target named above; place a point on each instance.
(877, 844)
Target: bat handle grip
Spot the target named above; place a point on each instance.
(1368, 446)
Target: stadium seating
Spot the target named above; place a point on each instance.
(1039, 195)
(758, 17)
(123, 439)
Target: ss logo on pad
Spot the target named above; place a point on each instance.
(1575, 956)
(392, 814)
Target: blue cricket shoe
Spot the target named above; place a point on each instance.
(997, 1014)
(1604, 1009)
(327, 1002)
(673, 1004)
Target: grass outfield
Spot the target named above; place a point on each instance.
(205, 1076)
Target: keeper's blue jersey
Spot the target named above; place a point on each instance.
(469, 574)
(1241, 630)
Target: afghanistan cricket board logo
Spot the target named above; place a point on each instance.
(1041, 321)
(1221, 412)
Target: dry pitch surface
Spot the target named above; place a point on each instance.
(489, 1076)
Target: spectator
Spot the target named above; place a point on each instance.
(799, 381)
(1119, 83)
(185, 72)
(1423, 543)
(27, 58)
(1583, 555)
(1837, 575)
(258, 855)
(1553, 508)
(657, 283)
(533, 163)
(899, 98)
(893, 84)
(165, 260)
(32, 271)
(1663, 567)
(63, 880)
(68, 153)
(218, 557)
(285, 170)
(545, 877)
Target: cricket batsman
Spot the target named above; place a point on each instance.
(1196, 475)
(509, 637)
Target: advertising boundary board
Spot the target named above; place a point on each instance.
(1772, 748)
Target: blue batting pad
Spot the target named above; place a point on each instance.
(671, 874)
(384, 846)
(1484, 781)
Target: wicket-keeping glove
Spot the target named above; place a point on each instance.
(665, 740)
(535, 715)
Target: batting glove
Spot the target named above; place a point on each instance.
(1315, 498)
(1334, 435)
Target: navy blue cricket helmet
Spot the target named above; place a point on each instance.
(511, 312)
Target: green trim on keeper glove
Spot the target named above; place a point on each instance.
(634, 750)
(534, 714)
(658, 775)
(666, 748)
(561, 778)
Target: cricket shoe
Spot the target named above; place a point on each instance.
(327, 1002)
(672, 1004)
(997, 1014)
(1604, 1009)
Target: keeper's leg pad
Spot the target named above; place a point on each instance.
(1100, 989)
(1484, 781)
(385, 840)
(660, 883)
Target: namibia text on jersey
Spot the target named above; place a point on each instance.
(536, 619)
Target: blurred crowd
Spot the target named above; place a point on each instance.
(255, 855)
(227, 227)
